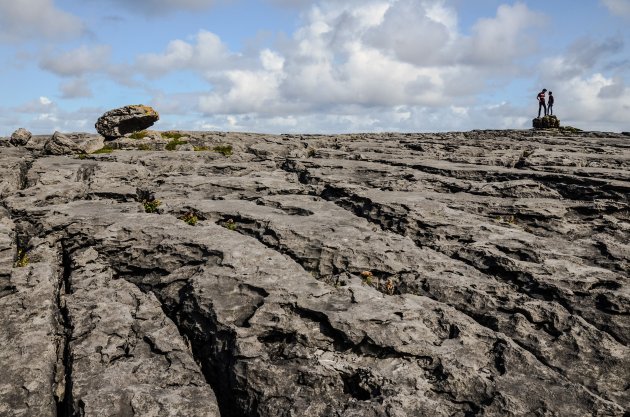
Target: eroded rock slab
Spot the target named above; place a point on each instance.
(456, 274)
(118, 122)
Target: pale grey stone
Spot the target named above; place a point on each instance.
(20, 137)
(461, 273)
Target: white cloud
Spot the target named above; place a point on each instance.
(157, 7)
(359, 65)
(75, 88)
(44, 116)
(500, 40)
(243, 91)
(292, 3)
(207, 55)
(32, 19)
(592, 102)
(585, 96)
(618, 7)
(581, 57)
(413, 34)
(79, 61)
(356, 65)
(40, 105)
(367, 53)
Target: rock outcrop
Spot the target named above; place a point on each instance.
(546, 122)
(119, 122)
(60, 144)
(20, 137)
(455, 274)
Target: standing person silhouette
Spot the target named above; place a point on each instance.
(541, 101)
(550, 105)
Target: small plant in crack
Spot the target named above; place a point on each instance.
(368, 278)
(225, 150)
(311, 152)
(190, 218)
(172, 145)
(139, 135)
(104, 149)
(389, 287)
(172, 135)
(151, 206)
(22, 259)
(507, 219)
(230, 224)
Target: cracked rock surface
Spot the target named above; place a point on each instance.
(482, 273)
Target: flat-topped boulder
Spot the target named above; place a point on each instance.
(119, 122)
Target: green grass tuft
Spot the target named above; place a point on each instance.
(201, 148)
(104, 149)
(226, 150)
(151, 206)
(190, 218)
(230, 225)
(139, 135)
(22, 259)
(172, 135)
(174, 143)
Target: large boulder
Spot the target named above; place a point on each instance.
(546, 122)
(20, 137)
(60, 144)
(118, 122)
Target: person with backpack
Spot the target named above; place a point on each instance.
(541, 101)
(550, 104)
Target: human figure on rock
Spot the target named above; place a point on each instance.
(541, 101)
(550, 104)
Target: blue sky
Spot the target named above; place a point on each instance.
(314, 66)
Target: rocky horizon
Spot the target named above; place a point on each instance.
(177, 273)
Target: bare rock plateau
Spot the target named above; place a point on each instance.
(479, 273)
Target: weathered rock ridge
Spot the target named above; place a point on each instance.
(482, 273)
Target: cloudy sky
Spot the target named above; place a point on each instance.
(314, 66)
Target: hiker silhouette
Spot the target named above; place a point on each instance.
(550, 104)
(541, 101)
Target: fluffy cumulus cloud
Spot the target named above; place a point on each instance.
(585, 95)
(207, 55)
(79, 61)
(596, 102)
(364, 65)
(357, 59)
(75, 88)
(618, 7)
(32, 19)
(500, 40)
(414, 33)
